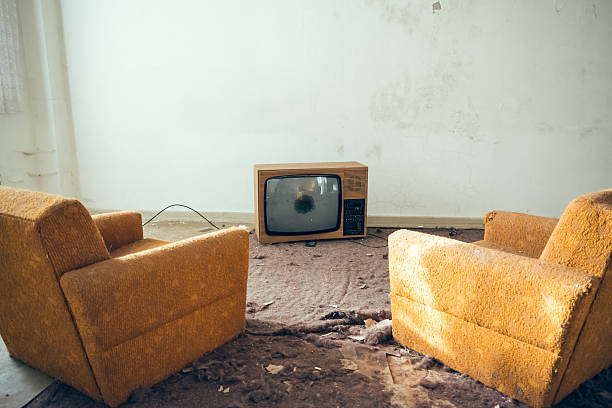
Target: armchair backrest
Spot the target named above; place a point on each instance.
(43, 236)
(583, 240)
(68, 235)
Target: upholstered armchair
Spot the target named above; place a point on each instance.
(90, 302)
(527, 311)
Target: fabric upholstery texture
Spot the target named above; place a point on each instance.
(120, 228)
(137, 246)
(525, 234)
(110, 324)
(583, 240)
(533, 328)
(492, 245)
(511, 366)
(110, 308)
(428, 268)
(35, 322)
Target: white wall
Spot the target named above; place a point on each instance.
(480, 105)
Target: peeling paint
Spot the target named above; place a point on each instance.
(436, 7)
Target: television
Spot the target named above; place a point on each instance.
(310, 201)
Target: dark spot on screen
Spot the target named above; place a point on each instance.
(304, 204)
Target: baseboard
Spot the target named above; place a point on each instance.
(381, 221)
(384, 221)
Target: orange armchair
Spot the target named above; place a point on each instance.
(527, 311)
(89, 301)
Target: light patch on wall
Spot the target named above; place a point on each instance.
(395, 13)
(340, 150)
(466, 123)
(408, 101)
(375, 151)
(436, 7)
(587, 131)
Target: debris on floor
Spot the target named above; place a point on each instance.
(253, 307)
(378, 333)
(274, 369)
(369, 322)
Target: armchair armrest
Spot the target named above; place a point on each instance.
(532, 301)
(524, 233)
(121, 298)
(119, 228)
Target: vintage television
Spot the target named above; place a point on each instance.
(308, 201)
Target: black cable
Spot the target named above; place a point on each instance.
(371, 246)
(180, 205)
(378, 236)
(366, 245)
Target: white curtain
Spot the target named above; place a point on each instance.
(11, 81)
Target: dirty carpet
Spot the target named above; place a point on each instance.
(306, 343)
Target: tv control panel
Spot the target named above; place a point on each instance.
(354, 216)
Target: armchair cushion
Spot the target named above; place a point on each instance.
(583, 236)
(525, 234)
(492, 245)
(137, 246)
(70, 237)
(68, 234)
(119, 228)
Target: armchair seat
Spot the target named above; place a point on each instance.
(526, 311)
(498, 247)
(89, 301)
(137, 246)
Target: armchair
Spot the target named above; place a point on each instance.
(526, 311)
(89, 301)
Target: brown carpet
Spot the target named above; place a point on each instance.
(305, 300)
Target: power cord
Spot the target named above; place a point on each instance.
(371, 246)
(378, 236)
(366, 245)
(180, 205)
